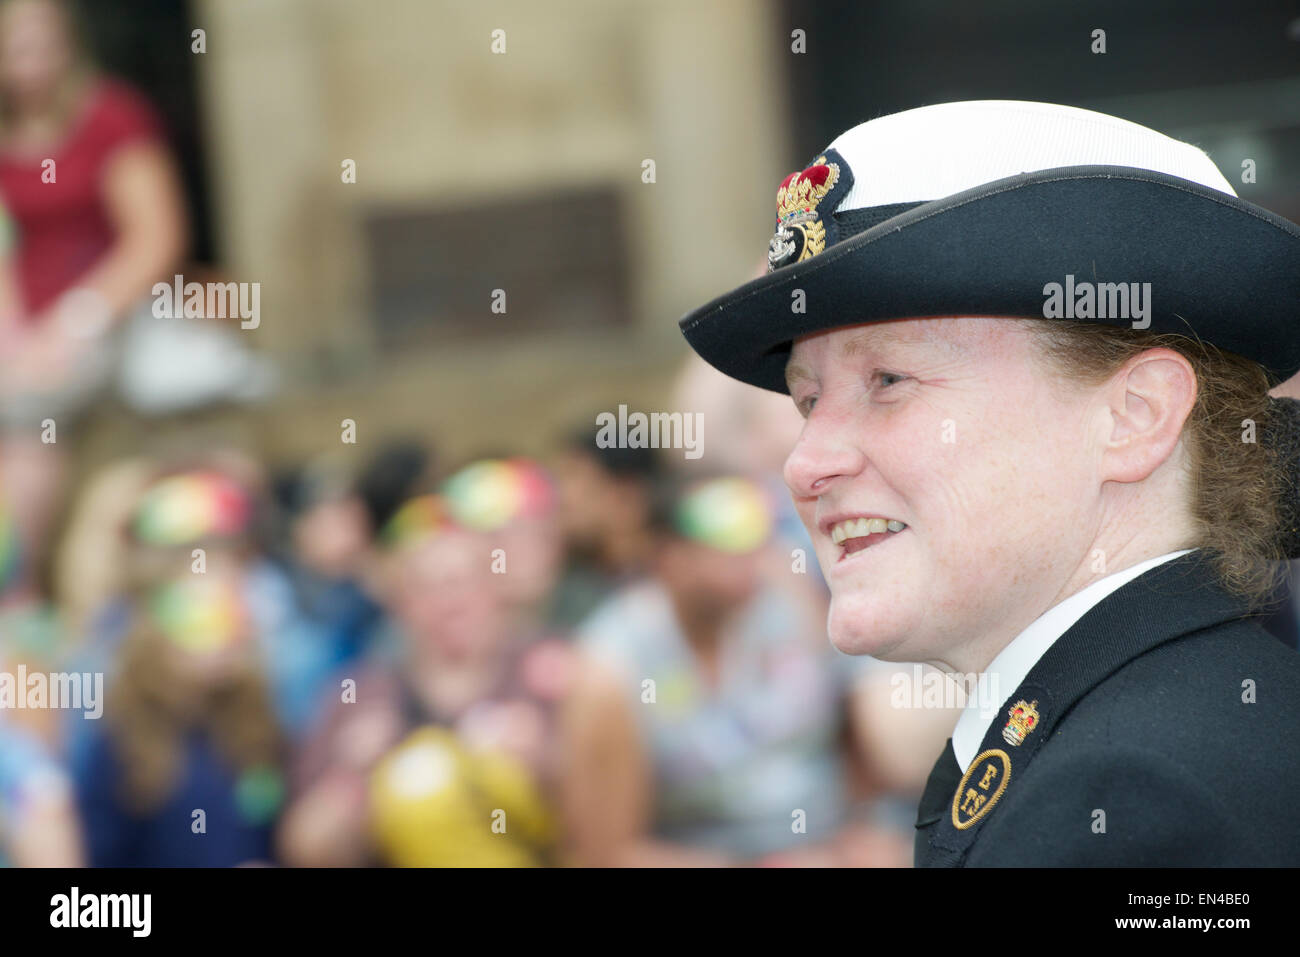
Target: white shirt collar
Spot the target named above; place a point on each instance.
(1014, 662)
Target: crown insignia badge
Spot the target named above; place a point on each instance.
(800, 232)
(1024, 718)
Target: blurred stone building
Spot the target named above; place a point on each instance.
(377, 295)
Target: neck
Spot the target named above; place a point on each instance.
(702, 627)
(48, 111)
(1136, 524)
(1125, 544)
(624, 551)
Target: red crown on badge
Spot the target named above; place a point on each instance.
(799, 193)
(1024, 718)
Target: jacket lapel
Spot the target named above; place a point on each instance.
(935, 799)
(1174, 599)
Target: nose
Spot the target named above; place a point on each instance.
(825, 451)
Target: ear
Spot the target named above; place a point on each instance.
(1148, 399)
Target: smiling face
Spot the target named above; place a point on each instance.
(445, 597)
(952, 432)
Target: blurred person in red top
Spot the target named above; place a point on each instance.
(97, 217)
(89, 182)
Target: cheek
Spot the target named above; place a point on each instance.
(1009, 487)
(946, 468)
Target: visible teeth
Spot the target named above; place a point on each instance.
(859, 527)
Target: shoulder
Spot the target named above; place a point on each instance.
(1217, 691)
(120, 114)
(1221, 688)
(615, 627)
(1185, 755)
(1127, 806)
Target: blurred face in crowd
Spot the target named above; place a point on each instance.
(711, 545)
(953, 429)
(331, 536)
(595, 505)
(205, 620)
(513, 503)
(705, 582)
(35, 48)
(582, 498)
(532, 550)
(444, 595)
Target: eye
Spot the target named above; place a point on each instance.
(886, 379)
(805, 405)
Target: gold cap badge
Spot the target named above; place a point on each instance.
(800, 232)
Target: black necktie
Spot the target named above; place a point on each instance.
(936, 798)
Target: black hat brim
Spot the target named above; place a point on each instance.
(1221, 269)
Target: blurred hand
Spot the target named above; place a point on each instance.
(41, 356)
(41, 359)
(516, 728)
(326, 827)
(364, 739)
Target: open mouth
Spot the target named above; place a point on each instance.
(855, 534)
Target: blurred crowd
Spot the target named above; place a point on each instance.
(610, 657)
(371, 661)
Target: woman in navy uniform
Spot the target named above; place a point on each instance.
(1033, 346)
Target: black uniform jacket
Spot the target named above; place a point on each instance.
(1162, 729)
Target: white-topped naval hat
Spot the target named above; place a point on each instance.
(985, 208)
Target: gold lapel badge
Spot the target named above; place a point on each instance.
(980, 788)
(1024, 718)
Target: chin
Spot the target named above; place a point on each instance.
(858, 626)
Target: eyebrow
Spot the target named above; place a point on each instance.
(864, 341)
(795, 373)
(880, 334)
